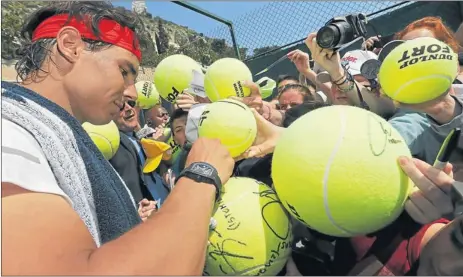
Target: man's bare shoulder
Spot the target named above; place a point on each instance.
(41, 233)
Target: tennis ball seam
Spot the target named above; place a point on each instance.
(168, 89)
(216, 94)
(244, 142)
(336, 148)
(402, 87)
(249, 130)
(234, 102)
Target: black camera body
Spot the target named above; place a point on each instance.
(342, 30)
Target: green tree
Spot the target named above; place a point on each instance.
(230, 53)
(206, 59)
(13, 16)
(218, 45)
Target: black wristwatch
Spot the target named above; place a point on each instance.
(203, 173)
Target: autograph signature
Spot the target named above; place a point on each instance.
(386, 130)
(282, 234)
(218, 250)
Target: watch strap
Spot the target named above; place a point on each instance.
(203, 173)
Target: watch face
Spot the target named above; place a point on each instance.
(202, 169)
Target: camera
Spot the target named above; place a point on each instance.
(341, 30)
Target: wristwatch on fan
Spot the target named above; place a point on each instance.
(203, 173)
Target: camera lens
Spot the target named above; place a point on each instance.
(328, 37)
(335, 34)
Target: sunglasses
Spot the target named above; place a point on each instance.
(131, 103)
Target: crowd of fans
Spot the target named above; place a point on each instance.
(130, 222)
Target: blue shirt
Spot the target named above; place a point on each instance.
(422, 134)
(152, 181)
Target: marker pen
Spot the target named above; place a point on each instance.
(450, 143)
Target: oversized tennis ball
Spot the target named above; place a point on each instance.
(230, 121)
(223, 79)
(106, 137)
(335, 169)
(173, 75)
(148, 96)
(267, 86)
(250, 231)
(418, 71)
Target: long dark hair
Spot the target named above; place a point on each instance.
(33, 54)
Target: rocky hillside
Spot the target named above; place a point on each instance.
(167, 37)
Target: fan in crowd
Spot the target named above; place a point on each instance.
(140, 213)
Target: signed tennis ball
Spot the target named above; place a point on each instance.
(230, 121)
(106, 137)
(418, 71)
(223, 79)
(250, 231)
(174, 74)
(335, 169)
(148, 96)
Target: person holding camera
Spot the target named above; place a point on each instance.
(349, 86)
(425, 126)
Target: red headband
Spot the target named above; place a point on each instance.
(110, 32)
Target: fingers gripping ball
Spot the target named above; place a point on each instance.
(223, 79)
(148, 96)
(418, 71)
(175, 148)
(173, 75)
(230, 121)
(250, 231)
(335, 169)
(106, 138)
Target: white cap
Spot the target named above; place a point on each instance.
(354, 59)
(192, 122)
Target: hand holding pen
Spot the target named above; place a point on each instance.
(448, 146)
(442, 161)
(434, 193)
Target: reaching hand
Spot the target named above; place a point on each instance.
(300, 60)
(266, 140)
(185, 101)
(158, 133)
(146, 208)
(367, 45)
(442, 109)
(211, 151)
(254, 100)
(430, 198)
(326, 58)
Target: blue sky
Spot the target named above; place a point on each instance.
(202, 24)
(262, 23)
